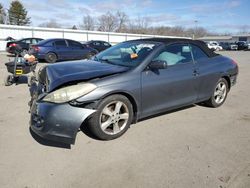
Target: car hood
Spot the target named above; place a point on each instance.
(74, 71)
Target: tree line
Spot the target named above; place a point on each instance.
(110, 22)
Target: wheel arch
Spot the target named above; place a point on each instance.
(45, 56)
(53, 53)
(130, 98)
(227, 78)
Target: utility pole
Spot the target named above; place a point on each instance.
(195, 28)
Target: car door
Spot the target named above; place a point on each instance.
(62, 50)
(79, 49)
(207, 77)
(170, 87)
(97, 45)
(25, 43)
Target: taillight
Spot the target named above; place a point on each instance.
(36, 48)
(12, 45)
(234, 62)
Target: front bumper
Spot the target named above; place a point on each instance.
(57, 122)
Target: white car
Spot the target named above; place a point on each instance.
(248, 46)
(214, 45)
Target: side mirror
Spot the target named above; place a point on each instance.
(158, 64)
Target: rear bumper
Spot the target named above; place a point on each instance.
(10, 50)
(57, 122)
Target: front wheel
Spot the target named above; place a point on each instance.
(219, 94)
(112, 119)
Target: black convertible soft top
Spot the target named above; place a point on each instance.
(198, 43)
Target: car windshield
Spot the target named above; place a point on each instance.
(129, 54)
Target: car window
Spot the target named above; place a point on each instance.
(175, 54)
(106, 44)
(34, 41)
(129, 54)
(60, 43)
(74, 44)
(97, 43)
(39, 40)
(26, 41)
(198, 53)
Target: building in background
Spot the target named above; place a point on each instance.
(233, 38)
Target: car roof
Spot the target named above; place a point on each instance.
(96, 41)
(198, 43)
(28, 38)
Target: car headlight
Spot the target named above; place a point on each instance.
(69, 93)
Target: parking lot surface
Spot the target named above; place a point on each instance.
(191, 147)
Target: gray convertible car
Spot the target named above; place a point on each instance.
(125, 83)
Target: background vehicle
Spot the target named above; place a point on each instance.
(242, 45)
(248, 46)
(229, 46)
(52, 50)
(24, 44)
(214, 46)
(125, 83)
(98, 45)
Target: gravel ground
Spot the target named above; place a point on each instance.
(192, 147)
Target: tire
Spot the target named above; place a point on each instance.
(8, 80)
(89, 55)
(219, 94)
(112, 119)
(51, 57)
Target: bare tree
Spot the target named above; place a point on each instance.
(139, 25)
(122, 19)
(177, 31)
(88, 23)
(197, 32)
(244, 29)
(52, 23)
(107, 22)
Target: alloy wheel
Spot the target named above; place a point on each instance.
(114, 117)
(220, 92)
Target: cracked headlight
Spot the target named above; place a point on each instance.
(69, 93)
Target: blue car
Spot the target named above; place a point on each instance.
(53, 50)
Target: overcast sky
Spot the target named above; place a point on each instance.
(215, 15)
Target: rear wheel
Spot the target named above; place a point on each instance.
(89, 55)
(51, 57)
(219, 95)
(112, 119)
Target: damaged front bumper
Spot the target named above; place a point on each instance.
(57, 122)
